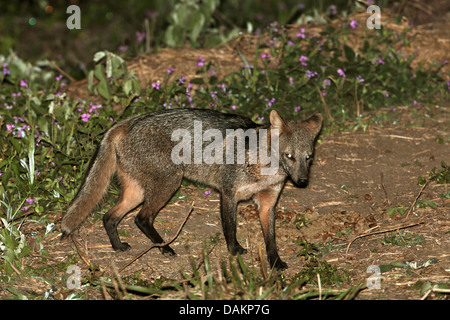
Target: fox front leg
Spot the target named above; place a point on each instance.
(228, 209)
(266, 201)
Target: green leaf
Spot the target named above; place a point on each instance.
(103, 89)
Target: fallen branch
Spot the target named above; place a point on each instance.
(80, 252)
(159, 245)
(417, 198)
(369, 233)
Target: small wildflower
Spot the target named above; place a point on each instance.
(200, 62)
(207, 192)
(301, 34)
(170, 70)
(233, 107)
(386, 94)
(58, 78)
(155, 85)
(270, 102)
(303, 60)
(341, 73)
(297, 108)
(23, 83)
(311, 74)
(5, 70)
(360, 78)
(291, 81)
(353, 24)
(182, 79)
(265, 56)
(123, 48)
(140, 36)
(85, 117)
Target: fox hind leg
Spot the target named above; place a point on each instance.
(158, 193)
(131, 196)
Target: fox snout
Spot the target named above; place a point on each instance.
(301, 183)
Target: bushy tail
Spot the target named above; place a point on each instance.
(94, 186)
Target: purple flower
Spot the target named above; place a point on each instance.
(23, 83)
(85, 117)
(5, 70)
(233, 107)
(303, 60)
(353, 24)
(291, 81)
(341, 72)
(311, 74)
(265, 56)
(360, 78)
(297, 108)
(155, 85)
(301, 34)
(386, 94)
(207, 192)
(269, 102)
(182, 79)
(58, 78)
(201, 62)
(140, 36)
(123, 48)
(170, 70)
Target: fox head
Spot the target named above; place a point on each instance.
(296, 145)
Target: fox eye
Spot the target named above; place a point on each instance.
(289, 156)
(308, 157)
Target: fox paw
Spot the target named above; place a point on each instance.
(167, 251)
(123, 247)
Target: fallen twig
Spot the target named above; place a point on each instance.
(369, 233)
(159, 245)
(417, 198)
(80, 252)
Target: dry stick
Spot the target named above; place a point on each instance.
(358, 111)
(368, 233)
(79, 251)
(159, 245)
(68, 76)
(417, 198)
(384, 188)
(325, 106)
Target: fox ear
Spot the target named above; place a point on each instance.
(314, 123)
(277, 122)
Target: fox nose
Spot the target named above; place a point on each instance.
(302, 182)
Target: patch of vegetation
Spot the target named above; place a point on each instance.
(402, 239)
